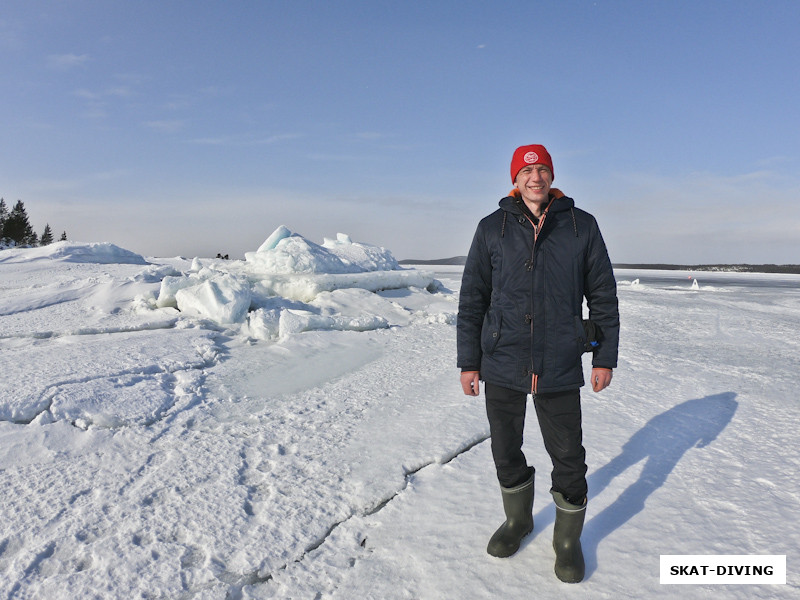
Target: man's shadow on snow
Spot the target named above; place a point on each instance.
(662, 441)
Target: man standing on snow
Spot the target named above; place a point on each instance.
(520, 330)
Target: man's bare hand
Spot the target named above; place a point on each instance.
(470, 383)
(601, 378)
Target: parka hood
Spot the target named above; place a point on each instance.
(559, 202)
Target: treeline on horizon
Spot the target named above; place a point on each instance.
(16, 230)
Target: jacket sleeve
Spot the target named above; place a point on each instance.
(600, 289)
(474, 298)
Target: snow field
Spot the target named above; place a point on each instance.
(147, 452)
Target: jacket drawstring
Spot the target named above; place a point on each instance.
(536, 228)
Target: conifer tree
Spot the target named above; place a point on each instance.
(47, 236)
(63, 237)
(17, 228)
(3, 217)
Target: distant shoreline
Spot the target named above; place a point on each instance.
(733, 268)
(455, 260)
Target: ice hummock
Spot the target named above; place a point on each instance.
(274, 292)
(285, 252)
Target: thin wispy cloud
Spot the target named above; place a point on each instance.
(215, 91)
(119, 91)
(369, 135)
(86, 94)
(772, 161)
(74, 183)
(243, 140)
(338, 157)
(65, 62)
(95, 112)
(9, 36)
(98, 101)
(178, 103)
(166, 126)
(132, 79)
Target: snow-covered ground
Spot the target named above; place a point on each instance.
(292, 426)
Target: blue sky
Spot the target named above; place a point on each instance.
(191, 128)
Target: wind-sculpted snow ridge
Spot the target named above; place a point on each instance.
(74, 252)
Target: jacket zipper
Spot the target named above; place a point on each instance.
(537, 228)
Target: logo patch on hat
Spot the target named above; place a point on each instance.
(530, 158)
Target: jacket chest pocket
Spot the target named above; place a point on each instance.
(490, 333)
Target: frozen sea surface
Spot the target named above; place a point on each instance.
(149, 452)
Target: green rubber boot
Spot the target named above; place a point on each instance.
(518, 506)
(570, 567)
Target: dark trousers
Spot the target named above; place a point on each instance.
(559, 416)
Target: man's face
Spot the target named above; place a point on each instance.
(533, 182)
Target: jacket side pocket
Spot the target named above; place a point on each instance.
(490, 333)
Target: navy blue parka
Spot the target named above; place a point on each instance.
(520, 306)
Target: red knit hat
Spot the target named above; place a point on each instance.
(530, 155)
